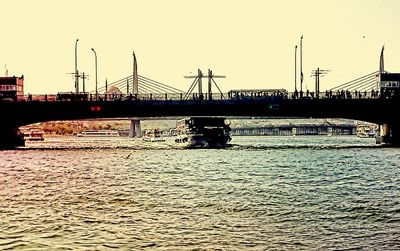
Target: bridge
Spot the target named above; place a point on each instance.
(360, 99)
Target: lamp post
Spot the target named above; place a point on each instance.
(295, 68)
(301, 63)
(95, 62)
(76, 67)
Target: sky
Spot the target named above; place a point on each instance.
(251, 42)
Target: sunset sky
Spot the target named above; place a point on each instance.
(250, 42)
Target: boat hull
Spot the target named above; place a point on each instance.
(209, 132)
(193, 141)
(153, 139)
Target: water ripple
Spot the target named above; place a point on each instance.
(261, 193)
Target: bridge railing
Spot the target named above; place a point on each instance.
(81, 97)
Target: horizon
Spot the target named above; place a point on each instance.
(252, 44)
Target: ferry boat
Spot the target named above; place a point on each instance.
(154, 135)
(99, 133)
(366, 131)
(203, 132)
(33, 134)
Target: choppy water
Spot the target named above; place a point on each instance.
(261, 193)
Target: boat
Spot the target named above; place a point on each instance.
(153, 135)
(33, 134)
(99, 133)
(366, 131)
(203, 132)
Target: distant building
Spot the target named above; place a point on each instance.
(12, 88)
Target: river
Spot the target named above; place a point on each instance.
(261, 193)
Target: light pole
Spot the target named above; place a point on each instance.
(95, 62)
(295, 68)
(76, 67)
(301, 63)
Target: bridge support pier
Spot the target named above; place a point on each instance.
(135, 129)
(10, 137)
(389, 134)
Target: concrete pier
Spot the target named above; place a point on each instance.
(135, 129)
(11, 137)
(389, 134)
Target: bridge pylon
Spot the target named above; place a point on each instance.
(198, 81)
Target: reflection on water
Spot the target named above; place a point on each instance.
(260, 193)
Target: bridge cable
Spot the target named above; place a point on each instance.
(354, 83)
(191, 88)
(222, 95)
(161, 89)
(361, 83)
(161, 84)
(342, 86)
(151, 88)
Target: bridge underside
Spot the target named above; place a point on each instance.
(379, 111)
(10, 137)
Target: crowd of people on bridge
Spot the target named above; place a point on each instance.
(338, 94)
(231, 95)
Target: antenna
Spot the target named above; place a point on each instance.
(316, 73)
(77, 76)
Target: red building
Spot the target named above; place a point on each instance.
(12, 88)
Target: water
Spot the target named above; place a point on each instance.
(262, 193)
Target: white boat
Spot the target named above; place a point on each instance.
(203, 132)
(33, 134)
(366, 131)
(99, 133)
(154, 135)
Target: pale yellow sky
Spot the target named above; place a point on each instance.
(251, 42)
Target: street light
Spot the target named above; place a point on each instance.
(95, 60)
(295, 68)
(76, 67)
(301, 63)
